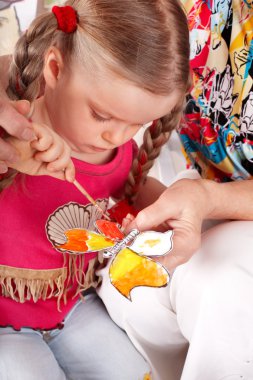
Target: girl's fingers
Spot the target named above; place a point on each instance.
(43, 142)
(70, 172)
(52, 154)
(56, 174)
(51, 147)
(61, 163)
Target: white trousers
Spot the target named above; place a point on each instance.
(200, 327)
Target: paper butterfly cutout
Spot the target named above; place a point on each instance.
(131, 265)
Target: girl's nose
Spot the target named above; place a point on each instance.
(115, 136)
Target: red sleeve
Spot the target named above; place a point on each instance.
(135, 149)
(121, 208)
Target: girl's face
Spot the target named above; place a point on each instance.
(97, 112)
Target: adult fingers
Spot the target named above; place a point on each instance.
(22, 106)
(185, 244)
(150, 217)
(13, 122)
(7, 153)
(3, 167)
(186, 229)
(126, 221)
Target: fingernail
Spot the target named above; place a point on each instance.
(3, 167)
(28, 134)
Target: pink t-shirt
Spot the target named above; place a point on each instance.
(37, 290)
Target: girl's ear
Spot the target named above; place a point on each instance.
(53, 66)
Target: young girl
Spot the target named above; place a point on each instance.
(200, 326)
(96, 72)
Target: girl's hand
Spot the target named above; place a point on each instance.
(182, 207)
(48, 154)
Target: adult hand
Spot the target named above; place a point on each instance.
(14, 122)
(47, 154)
(182, 207)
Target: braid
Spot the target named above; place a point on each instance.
(153, 140)
(26, 71)
(7, 178)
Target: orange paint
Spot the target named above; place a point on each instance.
(81, 240)
(109, 229)
(129, 270)
(76, 240)
(147, 274)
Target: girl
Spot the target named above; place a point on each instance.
(96, 72)
(200, 326)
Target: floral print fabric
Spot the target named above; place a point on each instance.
(217, 131)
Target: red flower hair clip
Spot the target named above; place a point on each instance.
(66, 18)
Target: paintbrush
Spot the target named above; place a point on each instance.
(89, 197)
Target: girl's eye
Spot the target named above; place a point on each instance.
(97, 117)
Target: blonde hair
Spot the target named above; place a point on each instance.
(146, 42)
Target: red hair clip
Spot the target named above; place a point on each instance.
(66, 18)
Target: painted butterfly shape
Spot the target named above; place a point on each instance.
(132, 264)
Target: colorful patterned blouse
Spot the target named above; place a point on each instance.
(217, 133)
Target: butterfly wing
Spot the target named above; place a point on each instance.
(128, 270)
(109, 229)
(153, 243)
(80, 240)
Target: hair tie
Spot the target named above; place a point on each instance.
(66, 18)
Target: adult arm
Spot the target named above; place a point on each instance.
(12, 119)
(186, 204)
(47, 154)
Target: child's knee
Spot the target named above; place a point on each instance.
(25, 356)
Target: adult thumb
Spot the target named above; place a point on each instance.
(150, 217)
(22, 106)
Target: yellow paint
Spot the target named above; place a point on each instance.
(129, 270)
(81, 240)
(151, 242)
(99, 242)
